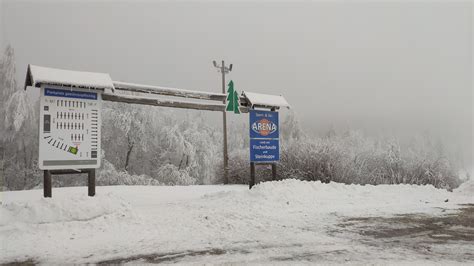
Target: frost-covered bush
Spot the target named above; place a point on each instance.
(239, 169)
(353, 158)
(108, 176)
(170, 174)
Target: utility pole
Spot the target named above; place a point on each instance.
(224, 70)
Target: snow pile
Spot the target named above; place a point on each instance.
(337, 197)
(76, 207)
(305, 191)
(466, 188)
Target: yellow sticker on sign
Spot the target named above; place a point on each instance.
(72, 150)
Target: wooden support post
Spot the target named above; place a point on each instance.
(47, 189)
(91, 182)
(252, 175)
(274, 165)
(274, 171)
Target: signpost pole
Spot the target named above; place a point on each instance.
(224, 119)
(224, 70)
(91, 182)
(274, 171)
(47, 190)
(274, 166)
(252, 175)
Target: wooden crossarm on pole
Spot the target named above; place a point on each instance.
(124, 86)
(161, 102)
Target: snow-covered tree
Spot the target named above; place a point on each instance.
(18, 129)
(8, 84)
(290, 127)
(126, 124)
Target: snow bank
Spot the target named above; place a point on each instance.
(304, 191)
(352, 200)
(280, 219)
(62, 209)
(466, 188)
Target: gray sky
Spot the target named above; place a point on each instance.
(387, 68)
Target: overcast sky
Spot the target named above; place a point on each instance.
(402, 68)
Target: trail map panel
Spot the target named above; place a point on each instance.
(69, 130)
(264, 136)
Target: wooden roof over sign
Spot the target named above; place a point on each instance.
(146, 94)
(264, 100)
(38, 75)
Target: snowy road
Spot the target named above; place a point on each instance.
(276, 222)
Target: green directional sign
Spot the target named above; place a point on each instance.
(232, 99)
(236, 103)
(230, 96)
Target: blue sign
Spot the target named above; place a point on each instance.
(70, 94)
(264, 150)
(264, 124)
(264, 136)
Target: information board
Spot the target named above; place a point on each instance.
(69, 130)
(264, 136)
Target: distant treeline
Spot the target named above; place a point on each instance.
(152, 146)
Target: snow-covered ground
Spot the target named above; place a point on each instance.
(275, 222)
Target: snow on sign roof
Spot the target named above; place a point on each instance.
(38, 75)
(265, 100)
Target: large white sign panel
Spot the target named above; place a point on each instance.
(69, 136)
